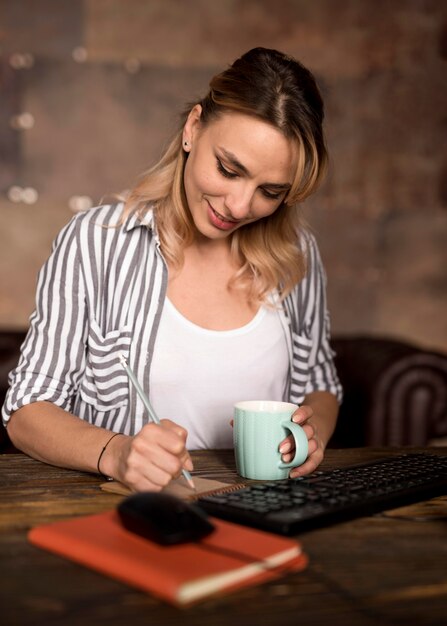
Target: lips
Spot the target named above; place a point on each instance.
(221, 217)
(220, 221)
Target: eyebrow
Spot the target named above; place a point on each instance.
(232, 159)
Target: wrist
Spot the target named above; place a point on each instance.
(107, 465)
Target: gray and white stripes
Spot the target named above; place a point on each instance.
(101, 293)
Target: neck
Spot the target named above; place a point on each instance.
(210, 249)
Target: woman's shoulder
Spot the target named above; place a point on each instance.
(307, 242)
(306, 236)
(312, 258)
(112, 216)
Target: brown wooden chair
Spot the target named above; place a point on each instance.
(395, 393)
(10, 342)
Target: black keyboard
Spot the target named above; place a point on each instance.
(291, 506)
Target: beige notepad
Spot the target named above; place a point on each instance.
(177, 487)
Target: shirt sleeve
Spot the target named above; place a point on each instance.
(322, 372)
(53, 355)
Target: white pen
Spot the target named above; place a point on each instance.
(149, 408)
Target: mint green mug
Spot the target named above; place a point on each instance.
(259, 428)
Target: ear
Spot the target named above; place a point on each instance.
(191, 127)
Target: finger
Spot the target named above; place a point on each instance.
(287, 458)
(287, 445)
(302, 414)
(287, 449)
(309, 430)
(156, 449)
(171, 426)
(167, 462)
(148, 478)
(309, 466)
(166, 435)
(313, 447)
(168, 458)
(186, 462)
(161, 446)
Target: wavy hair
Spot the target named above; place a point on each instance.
(279, 90)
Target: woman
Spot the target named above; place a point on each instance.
(203, 279)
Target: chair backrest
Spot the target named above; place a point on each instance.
(10, 343)
(395, 393)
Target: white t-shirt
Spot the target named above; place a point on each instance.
(197, 374)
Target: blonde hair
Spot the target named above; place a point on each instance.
(279, 90)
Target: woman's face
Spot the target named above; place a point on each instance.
(238, 171)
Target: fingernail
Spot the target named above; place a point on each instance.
(284, 447)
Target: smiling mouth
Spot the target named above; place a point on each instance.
(223, 218)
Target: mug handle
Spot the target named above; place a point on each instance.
(301, 444)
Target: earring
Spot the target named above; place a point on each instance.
(186, 144)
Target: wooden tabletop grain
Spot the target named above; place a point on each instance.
(387, 569)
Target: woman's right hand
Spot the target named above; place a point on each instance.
(151, 459)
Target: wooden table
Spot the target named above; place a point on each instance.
(383, 570)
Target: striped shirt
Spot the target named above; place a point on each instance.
(101, 293)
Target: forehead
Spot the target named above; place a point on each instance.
(257, 145)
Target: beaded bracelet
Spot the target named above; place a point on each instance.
(102, 452)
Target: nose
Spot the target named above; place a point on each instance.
(239, 200)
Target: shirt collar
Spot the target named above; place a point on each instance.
(146, 221)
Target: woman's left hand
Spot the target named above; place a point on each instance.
(304, 416)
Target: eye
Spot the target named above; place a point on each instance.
(271, 195)
(224, 171)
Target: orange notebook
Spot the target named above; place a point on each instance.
(231, 557)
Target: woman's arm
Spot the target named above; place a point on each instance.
(322, 396)
(147, 461)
